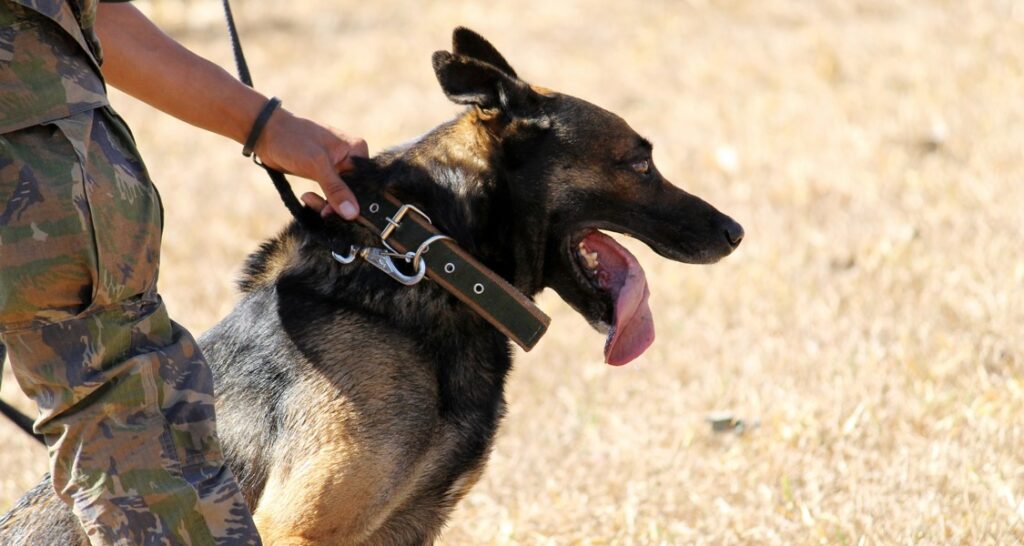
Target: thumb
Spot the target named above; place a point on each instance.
(338, 194)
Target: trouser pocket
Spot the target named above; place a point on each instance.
(80, 230)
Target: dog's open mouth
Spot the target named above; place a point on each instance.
(611, 269)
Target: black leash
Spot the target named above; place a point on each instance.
(23, 421)
(236, 47)
(305, 216)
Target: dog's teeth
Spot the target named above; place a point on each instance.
(591, 258)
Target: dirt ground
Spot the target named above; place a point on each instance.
(868, 331)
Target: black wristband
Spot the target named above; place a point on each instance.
(257, 126)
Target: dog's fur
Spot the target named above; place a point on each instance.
(354, 410)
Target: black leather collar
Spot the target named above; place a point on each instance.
(407, 230)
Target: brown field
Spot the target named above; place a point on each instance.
(872, 322)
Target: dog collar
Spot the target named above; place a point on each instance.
(407, 233)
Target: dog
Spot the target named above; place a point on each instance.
(355, 410)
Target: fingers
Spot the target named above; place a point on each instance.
(340, 197)
(338, 193)
(317, 203)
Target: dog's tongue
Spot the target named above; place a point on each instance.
(620, 274)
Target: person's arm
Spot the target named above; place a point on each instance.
(142, 61)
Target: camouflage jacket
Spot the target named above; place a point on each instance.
(49, 61)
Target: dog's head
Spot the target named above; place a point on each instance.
(574, 169)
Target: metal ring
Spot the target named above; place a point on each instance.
(409, 281)
(374, 207)
(449, 267)
(426, 245)
(478, 288)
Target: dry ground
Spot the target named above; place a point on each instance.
(871, 321)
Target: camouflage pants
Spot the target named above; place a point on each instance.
(125, 397)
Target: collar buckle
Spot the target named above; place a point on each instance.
(395, 221)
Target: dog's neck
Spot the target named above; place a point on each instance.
(458, 174)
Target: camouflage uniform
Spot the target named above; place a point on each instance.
(124, 394)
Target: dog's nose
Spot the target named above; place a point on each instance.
(733, 233)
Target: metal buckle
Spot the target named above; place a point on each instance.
(382, 259)
(395, 221)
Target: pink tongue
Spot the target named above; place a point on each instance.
(620, 274)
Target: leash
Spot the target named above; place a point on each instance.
(21, 420)
(305, 216)
(410, 237)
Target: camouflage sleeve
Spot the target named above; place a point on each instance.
(49, 64)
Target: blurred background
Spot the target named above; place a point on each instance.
(866, 337)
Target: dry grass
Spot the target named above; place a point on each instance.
(872, 320)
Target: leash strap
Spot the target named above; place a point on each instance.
(284, 189)
(236, 47)
(451, 267)
(21, 420)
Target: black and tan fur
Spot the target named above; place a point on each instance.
(354, 410)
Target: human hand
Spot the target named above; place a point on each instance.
(304, 148)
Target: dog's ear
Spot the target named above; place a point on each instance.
(470, 44)
(467, 80)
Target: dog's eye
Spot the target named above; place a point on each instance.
(641, 167)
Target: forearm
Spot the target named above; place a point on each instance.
(142, 61)
(147, 64)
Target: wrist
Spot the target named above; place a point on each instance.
(259, 125)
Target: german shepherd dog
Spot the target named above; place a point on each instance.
(355, 410)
